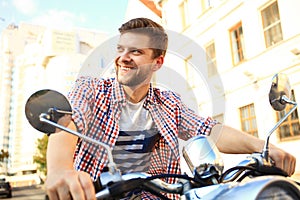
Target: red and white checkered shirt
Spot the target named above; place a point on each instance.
(97, 107)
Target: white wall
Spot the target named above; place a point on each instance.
(248, 82)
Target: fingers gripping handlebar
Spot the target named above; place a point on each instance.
(142, 181)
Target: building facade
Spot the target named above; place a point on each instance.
(228, 51)
(33, 58)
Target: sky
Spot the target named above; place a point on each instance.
(100, 15)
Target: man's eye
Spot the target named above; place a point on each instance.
(136, 51)
(119, 49)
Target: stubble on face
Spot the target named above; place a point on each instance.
(134, 62)
(135, 75)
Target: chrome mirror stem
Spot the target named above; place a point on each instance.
(112, 166)
(285, 99)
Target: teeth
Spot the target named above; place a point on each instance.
(125, 68)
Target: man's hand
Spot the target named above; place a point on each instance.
(70, 184)
(230, 140)
(63, 181)
(283, 160)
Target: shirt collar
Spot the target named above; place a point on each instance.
(118, 94)
(152, 95)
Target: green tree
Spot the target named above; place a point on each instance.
(40, 157)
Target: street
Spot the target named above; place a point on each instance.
(27, 193)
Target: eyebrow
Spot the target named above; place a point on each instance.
(132, 48)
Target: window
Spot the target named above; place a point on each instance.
(248, 119)
(190, 10)
(271, 24)
(290, 127)
(190, 74)
(237, 43)
(26, 172)
(211, 59)
(183, 7)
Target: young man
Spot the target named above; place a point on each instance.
(141, 123)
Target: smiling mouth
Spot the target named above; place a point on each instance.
(125, 68)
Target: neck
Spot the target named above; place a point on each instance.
(136, 94)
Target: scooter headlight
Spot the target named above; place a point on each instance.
(200, 152)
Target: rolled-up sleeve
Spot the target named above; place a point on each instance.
(191, 124)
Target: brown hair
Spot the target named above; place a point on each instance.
(156, 33)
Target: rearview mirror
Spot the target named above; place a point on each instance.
(279, 96)
(50, 102)
(280, 90)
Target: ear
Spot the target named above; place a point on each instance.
(159, 61)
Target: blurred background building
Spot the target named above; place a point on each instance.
(32, 58)
(222, 56)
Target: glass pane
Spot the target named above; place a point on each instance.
(295, 128)
(268, 38)
(234, 41)
(294, 114)
(286, 131)
(281, 114)
(248, 120)
(254, 124)
(247, 125)
(270, 15)
(243, 126)
(276, 33)
(211, 59)
(275, 12)
(244, 113)
(210, 50)
(252, 112)
(240, 30)
(291, 126)
(281, 132)
(266, 17)
(271, 24)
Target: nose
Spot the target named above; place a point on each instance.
(122, 59)
(124, 56)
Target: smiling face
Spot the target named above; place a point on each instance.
(135, 64)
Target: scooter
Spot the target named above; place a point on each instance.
(256, 177)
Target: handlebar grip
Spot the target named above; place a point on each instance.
(97, 185)
(272, 170)
(119, 189)
(125, 186)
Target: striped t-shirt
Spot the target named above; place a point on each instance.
(137, 137)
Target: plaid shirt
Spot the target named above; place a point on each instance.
(97, 107)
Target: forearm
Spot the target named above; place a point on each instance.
(230, 140)
(60, 150)
(63, 181)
